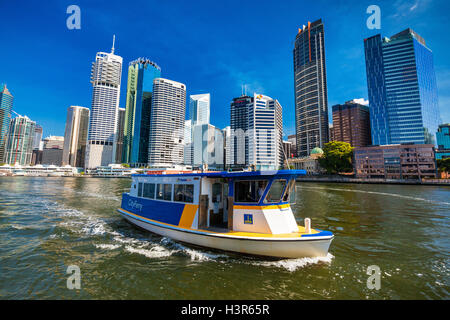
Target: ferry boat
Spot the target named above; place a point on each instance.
(246, 212)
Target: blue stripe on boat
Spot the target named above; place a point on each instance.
(166, 212)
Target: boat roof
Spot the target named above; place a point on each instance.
(226, 174)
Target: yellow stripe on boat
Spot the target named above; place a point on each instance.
(188, 215)
(268, 207)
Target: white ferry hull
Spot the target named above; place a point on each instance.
(285, 248)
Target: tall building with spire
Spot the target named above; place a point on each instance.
(310, 86)
(75, 137)
(6, 104)
(402, 89)
(141, 73)
(105, 78)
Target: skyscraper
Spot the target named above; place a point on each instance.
(167, 118)
(19, 145)
(310, 86)
(351, 123)
(207, 146)
(75, 136)
(199, 108)
(141, 74)
(239, 115)
(256, 132)
(120, 134)
(37, 138)
(6, 103)
(105, 78)
(402, 89)
(265, 133)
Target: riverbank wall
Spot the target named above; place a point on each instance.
(339, 179)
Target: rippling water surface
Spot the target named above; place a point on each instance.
(48, 224)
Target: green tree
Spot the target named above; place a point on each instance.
(337, 157)
(444, 165)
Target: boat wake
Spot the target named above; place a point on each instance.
(292, 265)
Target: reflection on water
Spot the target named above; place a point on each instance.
(47, 224)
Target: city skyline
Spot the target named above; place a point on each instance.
(344, 57)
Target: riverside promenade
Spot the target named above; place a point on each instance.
(341, 179)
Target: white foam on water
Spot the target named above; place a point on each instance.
(107, 246)
(155, 252)
(195, 255)
(292, 265)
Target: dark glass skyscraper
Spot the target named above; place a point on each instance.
(402, 89)
(141, 74)
(6, 103)
(311, 101)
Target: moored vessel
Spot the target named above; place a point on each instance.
(247, 212)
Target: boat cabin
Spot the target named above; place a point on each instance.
(253, 201)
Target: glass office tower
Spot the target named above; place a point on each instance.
(6, 103)
(311, 101)
(402, 89)
(141, 74)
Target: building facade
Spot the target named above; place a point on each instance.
(256, 133)
(75, 136)
(199, 108)
(141, 74)
(207, 147)
(37, 139)
(120, 134)
(310, 86)
(168, 112)
(52, 154)
(239, 117)
(105, 78)
(6, 104)
(443, 142)
(19, 144)
(406, 161)
(351, 124)
(402, 89)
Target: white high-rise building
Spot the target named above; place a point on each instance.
(168, 113)
(207, 146)
(265, 133)
(256, 133)
(188, 155)
(106, 77)
(199, 108)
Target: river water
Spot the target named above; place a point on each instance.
(49, 224)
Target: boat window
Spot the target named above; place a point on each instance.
(139, 189)
(159, 191)
(249, 190)
(276, 191)
(216, 192)
(183, 193)
(168, 192)
(149, 190)
(291, 192)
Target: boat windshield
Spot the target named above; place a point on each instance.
(290, 194)
(276, 191)
(249, 191)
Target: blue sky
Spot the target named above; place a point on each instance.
(211, 46)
